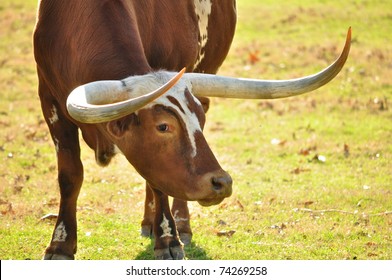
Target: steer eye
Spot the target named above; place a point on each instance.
(163, 127)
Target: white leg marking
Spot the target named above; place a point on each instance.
(151, 205)
(54, 117)
(203, 11)
(177, 218)
(56, 144)
(165, 227)
(60, 233)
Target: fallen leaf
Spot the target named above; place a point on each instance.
(280, 227)
(225, 233)
(2, 201)
(266, 105)
(307, 151)
(346, 150)
(109, 210)
(307, 203)
(371, 244)
(9, 209)
(17, 189)
(378, 104)
(240, 204)
(304, 152)
(30, 133)
(222, 223)
(299, 170)
(52, 202)
(253, 57)
(223, 205)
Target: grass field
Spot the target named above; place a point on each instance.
(312, 174)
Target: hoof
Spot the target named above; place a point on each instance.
(186, 238)
(58, 257)
(146, 231)
(174, 253)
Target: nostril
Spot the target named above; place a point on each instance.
(216, 184)
(221, 184)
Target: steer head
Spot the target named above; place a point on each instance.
(156, 120)
(161, 137)
(164, 141)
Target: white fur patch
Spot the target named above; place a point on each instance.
(203, 11)
(177, 218)
(151, 205)
(56, 144)
(60, 234)
(165, 227)
(117, 150)
(54, 117)
(189, 118)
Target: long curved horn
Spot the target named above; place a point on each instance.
(104, 101)
(218, 86)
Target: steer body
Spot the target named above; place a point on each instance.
(105, 68)
(76, 42)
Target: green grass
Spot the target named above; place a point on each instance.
(286, 204)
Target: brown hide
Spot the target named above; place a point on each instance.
(76, 42)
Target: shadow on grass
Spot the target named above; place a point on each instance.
(192, 252)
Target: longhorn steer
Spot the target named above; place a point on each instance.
(96, 64)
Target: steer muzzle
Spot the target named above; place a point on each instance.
(220, 187)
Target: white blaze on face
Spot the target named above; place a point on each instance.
(60, 233)
(203, 11)
(189, 118)
(165, 227)
(192, 124)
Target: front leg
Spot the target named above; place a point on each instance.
(180, 212)
(167, 242)
(149, 213)
(70, 177)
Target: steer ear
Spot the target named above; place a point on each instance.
(119, 127)
(205, 102)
